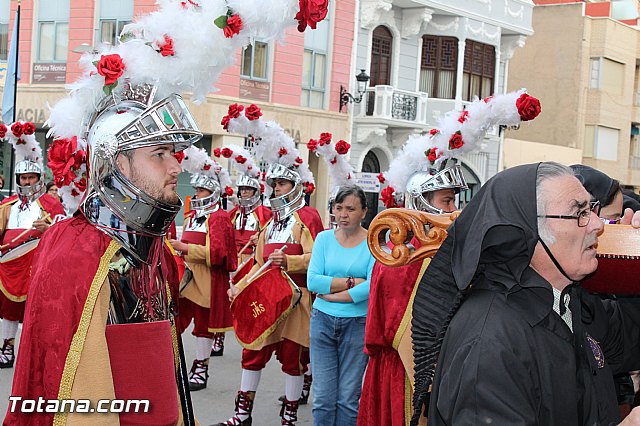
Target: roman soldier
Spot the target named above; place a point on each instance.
(425, 176)
(24, 217)
(208, 247)
(286, 244)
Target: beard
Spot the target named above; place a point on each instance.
(154, 189)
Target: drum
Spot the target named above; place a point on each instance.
(19, 251)
(262, 305)
(243, 269)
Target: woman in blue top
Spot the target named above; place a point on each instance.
(339, 272)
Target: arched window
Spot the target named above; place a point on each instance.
(479, 70)
(381, 46)
(438, 66)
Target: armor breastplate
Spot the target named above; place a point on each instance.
(251, 223)
(281, 232)
(23, 219)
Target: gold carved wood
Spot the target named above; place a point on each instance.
(401, 225)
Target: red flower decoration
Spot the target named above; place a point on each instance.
(167, 48)
(311, 12)
(226, 152)
(342, 147)
(235, 110)
(240, 159)
(216, 152)
(312, 145)
(325, 138)
(3, 131)
(299, 160)
(207, 166)
(28, 128)
(17, 129)
(111, 68)
(253, 112)
(225, 122)
(228, 191)
(179, 156)
(309, 187)
(487, 99)
(81, 184)
(432, 154)
(386, 196)
(283, 152)
(63, 160)
(463, 117)
(434, 132)
(381, 178)
(456, 142)
(528, 107)
(21, 142)
(234, 25)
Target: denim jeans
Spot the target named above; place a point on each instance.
(338, 362)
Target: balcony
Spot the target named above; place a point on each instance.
(392, 107)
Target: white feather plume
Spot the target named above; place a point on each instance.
(340, 171)
(249, 166)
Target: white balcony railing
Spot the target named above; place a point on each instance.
(390, 104)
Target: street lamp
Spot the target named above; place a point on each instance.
(346, 97)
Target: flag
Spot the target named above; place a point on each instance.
(13, 71)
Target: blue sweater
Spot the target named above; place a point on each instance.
(330, 260)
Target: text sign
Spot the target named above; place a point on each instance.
(367, 181)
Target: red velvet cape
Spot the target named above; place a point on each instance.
(75, 255)
(311, 219)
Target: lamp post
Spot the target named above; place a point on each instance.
(347, 98)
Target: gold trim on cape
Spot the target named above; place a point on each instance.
(77, 342)
(408, 313)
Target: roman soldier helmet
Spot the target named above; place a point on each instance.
(21, 136)
(340, 171)
(248, 177)
(206, 173)
(274, 146)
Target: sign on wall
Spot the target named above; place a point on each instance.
(367, 181)
(49, 73)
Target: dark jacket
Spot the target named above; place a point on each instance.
(509, 359)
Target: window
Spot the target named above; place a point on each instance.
(606, 74)
(601, 143)
(254, 61)
(110, 30)
(4, 30)
(479, 70)
(315, 65)
(114, 15)
(438, 66)
(53, 31)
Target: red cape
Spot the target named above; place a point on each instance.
(311, 219)
(64, 288)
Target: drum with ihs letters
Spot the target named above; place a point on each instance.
(262, 305)
(19, 251)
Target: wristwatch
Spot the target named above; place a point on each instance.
(350, 283)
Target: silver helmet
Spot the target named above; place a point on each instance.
(122, 123)
(285, 205)
(206, 205)
(248, 205)
(421, 183)
(29, 192)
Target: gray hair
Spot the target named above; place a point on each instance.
(350, 189)
(546, 171)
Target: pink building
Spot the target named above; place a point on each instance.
(296, 82)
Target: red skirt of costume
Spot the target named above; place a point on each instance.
(386, 390)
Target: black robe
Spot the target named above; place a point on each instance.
(508, 358)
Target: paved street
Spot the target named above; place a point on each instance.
(215, 403)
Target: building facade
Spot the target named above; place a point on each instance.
(588, 82)
(296, 82)
(425, 58)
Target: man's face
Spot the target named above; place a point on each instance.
(445, 200)
(574, 246)
(202, 193)
(28, 179)
(154, 170)
(282, 187)
(247, 192)
(613, 211)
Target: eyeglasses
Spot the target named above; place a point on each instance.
(582, 217)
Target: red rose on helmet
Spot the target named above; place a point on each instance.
(253, 112)
(234, 25)
(463, 117)
(528, 107)
(216, 152)
(386, 196)
(311, 12)
(28, 128)
(3, 131)
(283, 152)
(179, 156)
(235, 110)
(381, 178)
(225, 122)
(17, 129)
(111, 68)
(309, 188)
(226, 152)
(432, 154)
(207, 166)
(342, 147)
(456, 142)
(62, 160)
(167, 48)
(299, 161)
(240, 159)
(325, 138)
(434, 132)
(228, 191)
(312, 145)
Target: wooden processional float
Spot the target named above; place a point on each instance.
(391, 232)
